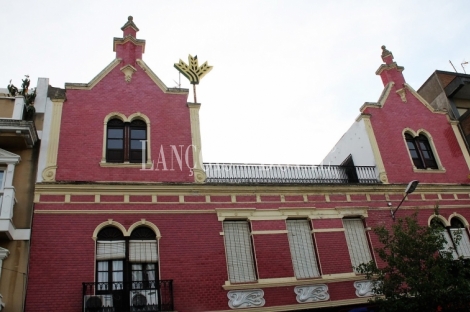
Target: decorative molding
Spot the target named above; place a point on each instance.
(312, 293)
(239, 299)
(49, 171)
(128, 70)
(292, 281)
(364, 288)
(269, 232)
(303, 306)
(328, 230)
(375, 150)
(402, 93)
(95, 80)
(157, 80)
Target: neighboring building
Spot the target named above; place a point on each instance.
(19, 152)
(122, 222)
(450, 92)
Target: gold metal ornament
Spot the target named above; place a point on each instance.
(193, 71)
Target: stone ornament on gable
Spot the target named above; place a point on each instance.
(128, 70)
(312, 293)
(239, 299)
(364, 288)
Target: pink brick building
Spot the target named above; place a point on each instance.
(127, 218)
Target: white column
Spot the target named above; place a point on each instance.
(19, 108)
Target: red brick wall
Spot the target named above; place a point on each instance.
(81, 134)
(388, 124)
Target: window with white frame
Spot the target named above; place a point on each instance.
(356, 239)
(239, 252)
(302, 249)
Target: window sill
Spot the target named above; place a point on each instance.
(292, 281)
(440, 170)
(126, 165)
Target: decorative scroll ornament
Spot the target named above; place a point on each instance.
(364, 288)
(246, 298)
(193, 71)
(312, 293)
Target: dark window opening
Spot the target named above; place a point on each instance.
(421, 152)
(126, 142)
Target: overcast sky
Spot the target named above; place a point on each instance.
(288, 77)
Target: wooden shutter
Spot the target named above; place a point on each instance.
(143, 251)
(107, 250)
(240, 263)
(357, 241)
(302, 249)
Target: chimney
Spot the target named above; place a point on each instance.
(390, 71)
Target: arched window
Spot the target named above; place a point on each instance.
(127, 269)
(449, 243)
(460, 237)
(421, 152)
(126, 142)
(110, 258)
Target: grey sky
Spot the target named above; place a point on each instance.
(288, 77)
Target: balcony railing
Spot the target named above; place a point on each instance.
(128, 296)
(288, 174)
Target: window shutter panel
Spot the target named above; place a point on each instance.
(107, 250)
(241, 267)
(449, 243)
(463, 247)
(143, 251)
(301, 249)
(357, 241)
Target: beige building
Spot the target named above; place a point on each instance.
(20, 135)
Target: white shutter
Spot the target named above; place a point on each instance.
(448, 244)
(301, 249)
(107, 250)
(357, 241)
(143, 251)
(241, 267)
(463, 247)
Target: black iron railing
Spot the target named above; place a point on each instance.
(128, 296)
(305, 174)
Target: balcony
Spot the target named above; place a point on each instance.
(15, 132)
(128, 296)
(289, 174)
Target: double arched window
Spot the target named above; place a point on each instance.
(126, 263)
(456, 237)
(126, 141)
(420, 151)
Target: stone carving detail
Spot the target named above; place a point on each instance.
(128, 70)
(383, 177)
(402, 94)
(48, 174)
(364, 288)
(246, 298)
(312, 293)
(199, 175)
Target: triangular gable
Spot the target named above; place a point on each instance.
(402, 93)
(112, 65)
(7, 157)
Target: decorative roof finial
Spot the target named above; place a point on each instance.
(385, 52)
(130, 23)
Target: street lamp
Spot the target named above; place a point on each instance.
(409, 189)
